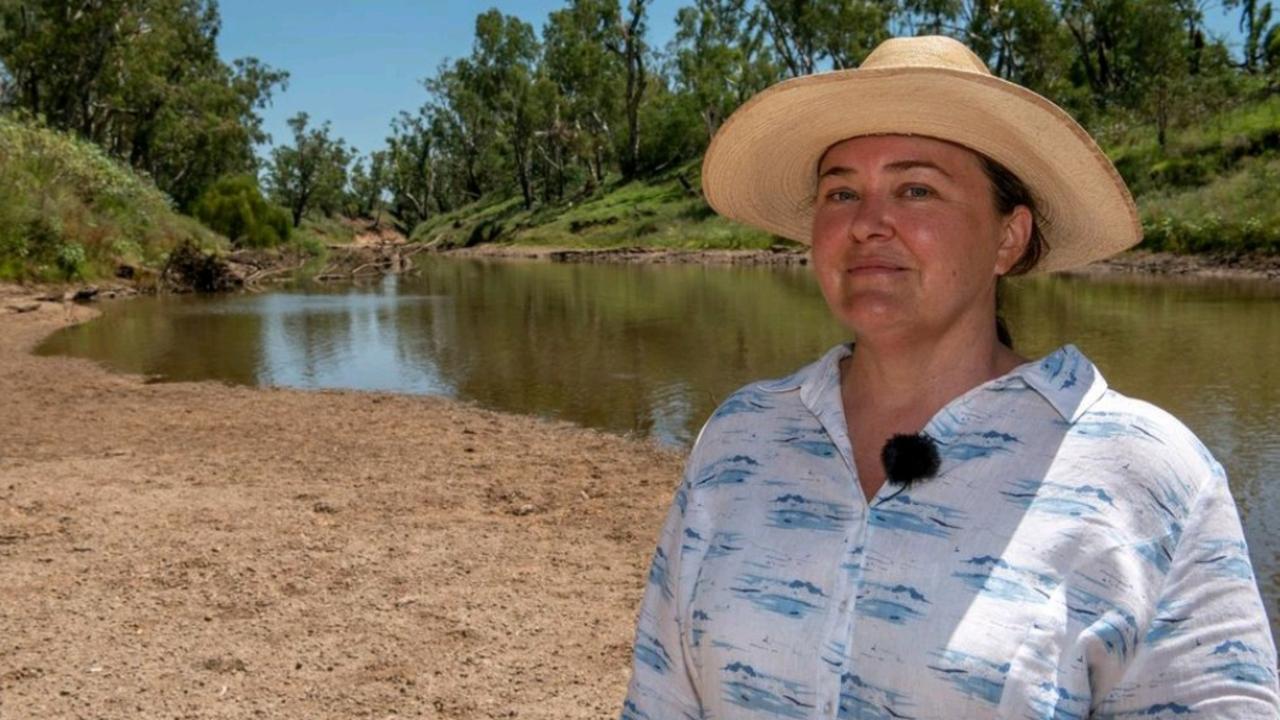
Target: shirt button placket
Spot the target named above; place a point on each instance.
(853, 584)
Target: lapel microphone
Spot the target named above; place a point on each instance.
(909, 458)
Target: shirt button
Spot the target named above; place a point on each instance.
(826, 707)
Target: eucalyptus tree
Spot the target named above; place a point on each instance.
(1024, 42)
(553, 139)
(504, 57)
(366, 186)
(465, 128)
(312, 173)
(720, 57)
(586, 75)
(809, 34)
(142, 79)
(1255, 25)
(627, 42)
(414, 178)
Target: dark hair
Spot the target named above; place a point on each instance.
(1008, 192)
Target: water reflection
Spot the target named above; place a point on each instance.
(649, 351)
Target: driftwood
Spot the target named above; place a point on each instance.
(251, 282)
(191, 269)
(389, 259)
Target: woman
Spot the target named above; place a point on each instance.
(930, 525)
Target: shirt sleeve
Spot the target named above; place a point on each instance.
(662, 678)
(1208, 651)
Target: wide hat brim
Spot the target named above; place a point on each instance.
(761, 168)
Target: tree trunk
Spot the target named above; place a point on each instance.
(632, 53)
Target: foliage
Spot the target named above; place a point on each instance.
(585, 75)
(720, 58)
(312, 173)
(1178, 113)
(1235, 212)
(806, 33)
(364, 196)
(412, 168)
(553, 118)
(69, 211)
(234, 206)
(141, 79)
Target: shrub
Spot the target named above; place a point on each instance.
(234, 206)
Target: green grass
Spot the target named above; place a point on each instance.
(1237, 211)
(1215, 187)
(316, 233)
(1196, 155)
(69, 212)
(655, 213)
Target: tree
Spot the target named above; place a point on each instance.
(628, 44)
(142, 79)
(312, 174)
(1022, 41)
(1255, 21)
(586, 74)
(412, 175)
(234, 206)
(503, 58)
(720, 57)
(367, 186)
(465, 131)
(806, 33)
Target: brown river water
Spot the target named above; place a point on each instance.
(649, 351)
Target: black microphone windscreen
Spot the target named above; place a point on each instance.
(908, 458)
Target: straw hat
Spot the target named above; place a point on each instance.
(762, 166)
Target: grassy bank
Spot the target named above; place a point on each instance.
(661, 212)
(71, 213)
(1212, 188)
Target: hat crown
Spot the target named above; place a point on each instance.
(926, 51)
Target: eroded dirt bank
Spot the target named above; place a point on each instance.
(1251, 266)
(199, 550)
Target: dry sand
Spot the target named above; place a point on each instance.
(199, 550)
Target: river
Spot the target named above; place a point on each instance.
(649, 351)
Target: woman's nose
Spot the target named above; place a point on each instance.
(870, 221)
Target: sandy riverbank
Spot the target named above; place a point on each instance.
(198, 550)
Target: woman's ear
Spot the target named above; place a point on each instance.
(1015, 233)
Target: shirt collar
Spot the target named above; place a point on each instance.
(1065, 378)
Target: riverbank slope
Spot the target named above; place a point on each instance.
(200, 550)
(1211, 190)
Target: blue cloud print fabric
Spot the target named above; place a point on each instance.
(1077, 556)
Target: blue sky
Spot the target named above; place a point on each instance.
(358, 64)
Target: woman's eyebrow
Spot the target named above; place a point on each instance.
(897, 166)
(913, 164)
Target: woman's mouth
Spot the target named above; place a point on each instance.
(873, 269)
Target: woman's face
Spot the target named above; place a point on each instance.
(906, 237)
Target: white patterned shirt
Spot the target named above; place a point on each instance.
(1078, 554)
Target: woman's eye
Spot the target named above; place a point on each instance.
(917, 192)
(841, 195)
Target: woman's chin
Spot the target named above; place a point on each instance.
(871, 314)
